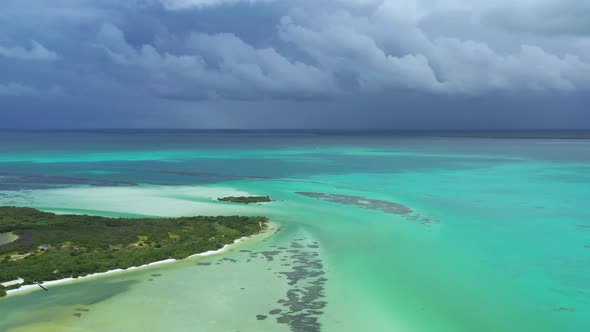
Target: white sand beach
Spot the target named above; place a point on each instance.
(47, 284)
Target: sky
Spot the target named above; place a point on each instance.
(387, 64)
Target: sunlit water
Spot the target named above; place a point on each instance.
(374, 233)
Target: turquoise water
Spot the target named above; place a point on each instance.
(394, 233)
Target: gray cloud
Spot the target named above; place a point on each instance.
(387, 48)
(20, 90)
(219, 66)
(200, 4)
(36, 52)
(350, 47)
(222, 57)
(548, 17)
(16, 90)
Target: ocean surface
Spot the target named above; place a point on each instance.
(372, 232)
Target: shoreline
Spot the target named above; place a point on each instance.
(34, 287)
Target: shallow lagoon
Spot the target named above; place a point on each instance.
(7, 238)
(504, 248)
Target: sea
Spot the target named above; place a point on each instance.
(371, 231)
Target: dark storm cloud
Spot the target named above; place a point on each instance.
(174, 57)
(217, 66)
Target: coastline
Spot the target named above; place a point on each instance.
(26, 288)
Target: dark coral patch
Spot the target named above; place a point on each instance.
(372, 204)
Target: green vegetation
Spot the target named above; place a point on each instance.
(245, 199)
(2, 291)
(52, 247)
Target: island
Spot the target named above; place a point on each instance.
(52, 247)
(245, 199)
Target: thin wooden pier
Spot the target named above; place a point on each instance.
(42, 287)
